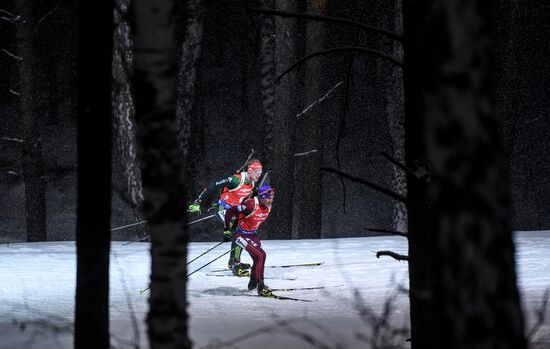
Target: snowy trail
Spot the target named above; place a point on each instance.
(37, 282)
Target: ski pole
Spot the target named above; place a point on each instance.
(212, 261)
(129, 225)
(201, 219)
(129, 242)
(194, 259)
(147, 237)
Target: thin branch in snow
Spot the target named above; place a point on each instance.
(133, 318)
(319, 100)
(306, 153)
(374, 186)
(12, 55)
(540, 315)
(14, 92)
(247, 335)
(396, 256)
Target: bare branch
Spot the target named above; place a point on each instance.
(356, 24)
(374, 186)
(398, 164)
(4, 12)
(396, 256)
(9, 139)
(306, 153)
(319, 100)
(531, 121)
(364, 50)
(540, 314)
(9, 17)
(387, 231)
(12, 55)
(47, 15)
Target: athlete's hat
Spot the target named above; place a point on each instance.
(256, 165)
(265, 191)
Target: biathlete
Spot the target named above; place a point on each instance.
(247, 218)
(235, 189)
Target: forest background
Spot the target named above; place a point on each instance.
(342, 109)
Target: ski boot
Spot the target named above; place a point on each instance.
(264, 291)
(253, 283)
(238, 270)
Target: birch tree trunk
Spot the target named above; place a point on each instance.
(187, 80)
(32, 110)
(94, 175)
(161, 169)
(190, 53)
(123, 106)
(462, 268)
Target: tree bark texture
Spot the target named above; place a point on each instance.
(309, 131)
(94, 175)
(33, 110)
(472, 299)
(123, 106)
(187, 85)
(161, 168)
(394, 103)
(267, 71)
(281, 159)
(190, 53)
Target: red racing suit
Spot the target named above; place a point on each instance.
(249, 216)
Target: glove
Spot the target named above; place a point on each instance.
(194, 207)
(227, 236)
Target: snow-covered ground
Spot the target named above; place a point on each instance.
(37, 283)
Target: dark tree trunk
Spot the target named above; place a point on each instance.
(33, 106)
(267, 71)
(281, 159)
(463, 280)
(123, 107)
(161, 169)
(94, 125)
(307, 220)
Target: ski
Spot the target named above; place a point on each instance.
(275, 296)
(295, 265)
(277, 266)
(298, 288)
(281, 278)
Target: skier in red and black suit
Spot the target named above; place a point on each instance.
(248, 217)
(235, 189)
